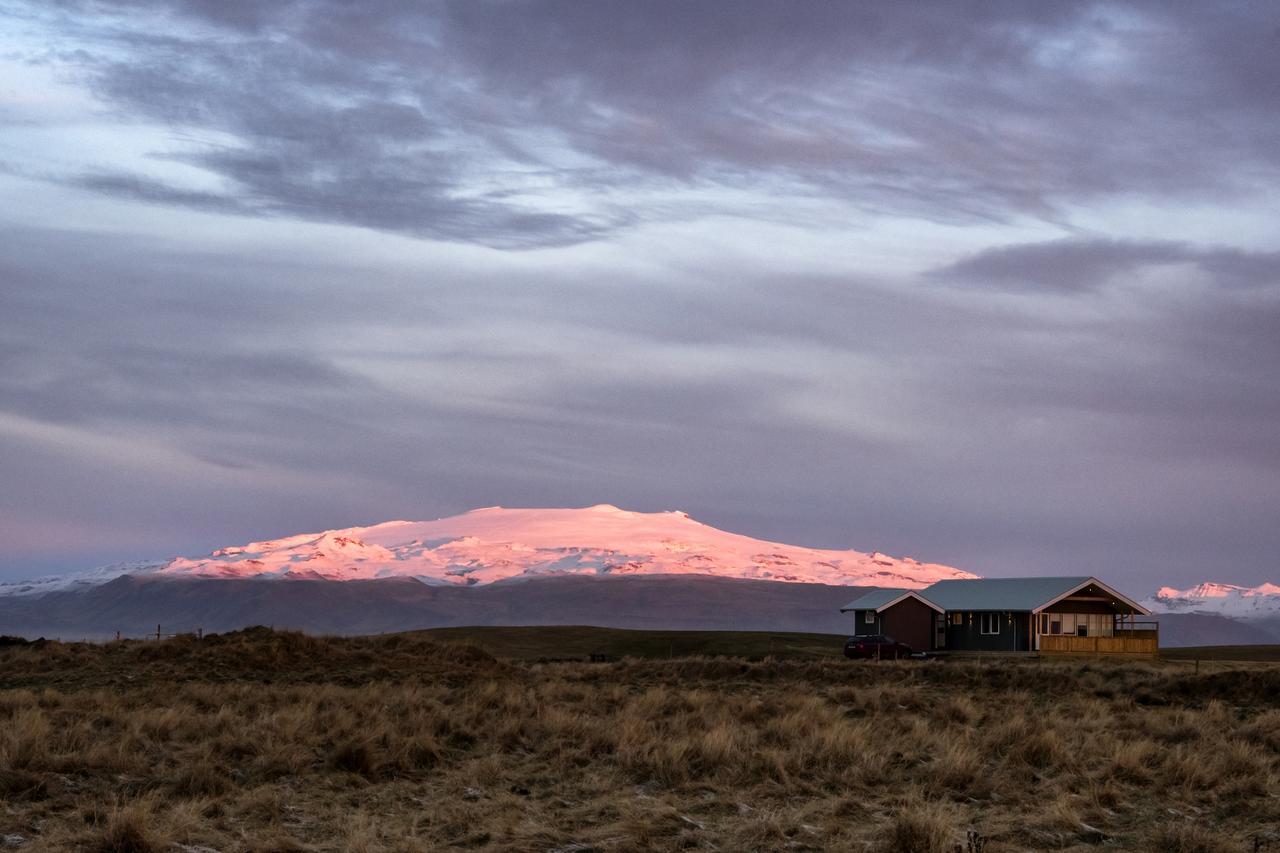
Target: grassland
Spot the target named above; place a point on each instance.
(271, 741)
(1223, 653)
(582, 642)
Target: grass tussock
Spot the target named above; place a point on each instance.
(243, 743)
(124, 830)
(1187, 837)
(921, 828)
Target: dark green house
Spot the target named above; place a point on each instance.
(1070, 615)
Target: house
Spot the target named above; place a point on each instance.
(1064, 615)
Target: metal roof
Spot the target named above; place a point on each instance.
(873, 598)
(1010, 594)
(999, 593)
(1018, 594)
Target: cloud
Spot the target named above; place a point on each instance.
(1069, 265)
(152, 190)
(817, 273)
(517, 124)
(1077, 265)
(251, 393)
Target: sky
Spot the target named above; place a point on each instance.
(990, 284)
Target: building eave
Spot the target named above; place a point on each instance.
(1142, 611)
(910, 594)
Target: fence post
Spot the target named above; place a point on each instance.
(157, 633)
(199, 633)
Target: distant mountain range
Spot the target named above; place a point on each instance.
(1222, 599)
(1255, 609)
(598, 565)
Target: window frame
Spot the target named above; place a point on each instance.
(869, 617)
(987, 620)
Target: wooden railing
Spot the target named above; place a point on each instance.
(1140, 641)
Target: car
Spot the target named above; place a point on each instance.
(876, 647)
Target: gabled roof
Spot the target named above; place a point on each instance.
(1016, 594)
(880, 600)
(1092, 582)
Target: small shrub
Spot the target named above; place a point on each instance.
(126, 832)
(919, 829)
(1188, 838)
(354, 756)
(1039, 750)
(199, 779)
(956, 768)
(24, 740)
(957, 709)
(21, 784)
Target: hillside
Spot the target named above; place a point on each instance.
(135, 605)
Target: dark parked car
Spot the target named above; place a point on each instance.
(875, 647)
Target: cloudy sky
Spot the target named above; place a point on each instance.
(990, 284)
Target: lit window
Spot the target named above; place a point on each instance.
(957, 618)
(871, 617)
(990, 623)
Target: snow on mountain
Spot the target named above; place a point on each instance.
(1221, 598)
(493, 544)
(80, 580)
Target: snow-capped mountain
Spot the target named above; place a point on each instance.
(1239, 602)
(493, 544)
(80, 580)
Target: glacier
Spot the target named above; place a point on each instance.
(498, 544)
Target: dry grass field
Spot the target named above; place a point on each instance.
(267, 741)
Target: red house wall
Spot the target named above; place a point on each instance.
(909, 622)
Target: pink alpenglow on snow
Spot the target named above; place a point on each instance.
(1222, 598)
(493, 544)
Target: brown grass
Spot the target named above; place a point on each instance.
(272, 741)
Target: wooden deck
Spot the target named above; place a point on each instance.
(1128, 643)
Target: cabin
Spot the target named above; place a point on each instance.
(1059, 615)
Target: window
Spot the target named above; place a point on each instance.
(871, 617)
(1044, 623)
(957, 618)
(990, 623)
(1055, 627)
